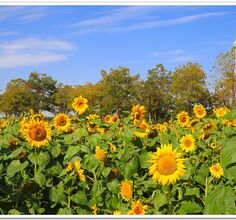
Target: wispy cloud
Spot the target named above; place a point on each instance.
(166, 53)
(32, 51)
(22, 13)
(134, 18)
(7, 33)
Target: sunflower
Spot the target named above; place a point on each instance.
(102, 131)
(95, 210)
(216, 170)
(92, 127)
(193, 124)
(168, 165)
(229, 123)
(69, 167)
(126, 190)
(116, 212)
(115, 118)
(183, 119)
(112, 147)
(108, 119)
(213, 145)
(80, 105)
(207, 130)
(138, 112)
(161, 127)
(220, 112)
(137, 208)
(199, 111)
(187, 143)
(62, 122)
(92, 116)
(100, 153)
(79, 171)
(23, 125)
(141, 134)
(37, 133)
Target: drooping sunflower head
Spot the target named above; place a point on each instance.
(216, 170)
(92, 127)
(100, 153)
(126, 190)
(80, 105)
(193, 124)
(137, 208)
(199, 111)
(167, 165)
(207, 130)
(79, 171)
(220, 112)
(115, 118)
(62, 122)
(183, 119)
(37, 133)
(138, 112)
(93, 116)
(187, 143)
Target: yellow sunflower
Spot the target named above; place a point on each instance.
(80, 105)
(100, 153)
(108, 119)
(92, 116)
(161, 127)
(168, 165)
(216, 170)
(95, 210)
(229, 123)
(38, 117)
(69, 167)
(115, 118)
(79, 171)
(116, 212)
(92, 127)
(126, 190)
(37, 133)
(112, 147)
(141, 134)
(187, 143)
(199, 111)
(213, 145)
(138, 112)
(62, 122)
(183, 119)
(220, 112)
(137, 208)
(193, 124)
(207, 130)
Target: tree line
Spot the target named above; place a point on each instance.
(163, 93)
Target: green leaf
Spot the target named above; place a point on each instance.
(54, 150)
(228, 154)
(55, 169)
(42, 159)
(15, 153)
(72, 150)
(220, 201)
(14, 212)
(230, 115)
(79, 198)
(159, 200)
(94, 139)
(188, 207)
(143, 159)
(40, 178)
(113, 186)
(65, 211)
(202, 174)
(97, 189)
(192, 192)
(106, 171)
(15, 166)
(56, 194)
(230, 173)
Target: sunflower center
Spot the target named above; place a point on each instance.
(80, 103)
(61, 121)
(200, 111)
(188, 143)
(138, 210)
(183, 118)
(38, 133)
(216, 169)
(137, 115)
(167, 165)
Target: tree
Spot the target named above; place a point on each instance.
(16, 98)
(156, 94)
(119, 90)
(225, 86)
(42, 89)
(189, 87)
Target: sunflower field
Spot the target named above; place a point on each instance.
(91, 164)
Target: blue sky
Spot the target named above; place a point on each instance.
(73, 43)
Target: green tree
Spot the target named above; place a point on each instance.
(42, 89)
(189, 87)
(156, 94)
(16, 98)
(118, 89)
(225, 86)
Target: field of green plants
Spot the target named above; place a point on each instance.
(92, 164)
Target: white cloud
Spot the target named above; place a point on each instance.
(184, 58)
(32, 51)
(137, 18)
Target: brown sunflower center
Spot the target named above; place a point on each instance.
(137, 115)
(138, 210)
(216, 169)
(183, 118)
(188, 143)
(200, 111)
(61, 121)
(167, 165)
(80, 103)
(38, 133)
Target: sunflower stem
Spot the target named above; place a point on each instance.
(69, 198)
(35, 165)
(94, 175)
